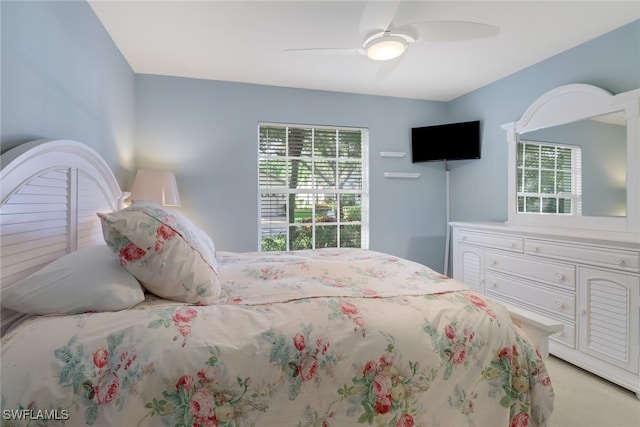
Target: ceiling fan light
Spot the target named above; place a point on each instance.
(385, 48)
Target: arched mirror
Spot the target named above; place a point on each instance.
(574, 158)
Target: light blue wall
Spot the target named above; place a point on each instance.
(63, 78)
(206, 131)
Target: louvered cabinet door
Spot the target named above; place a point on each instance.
(469, 266)
(609, 316)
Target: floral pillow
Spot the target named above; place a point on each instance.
(166, 252)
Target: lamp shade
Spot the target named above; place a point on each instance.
(155, 186)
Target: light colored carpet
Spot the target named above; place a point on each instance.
(585, 400)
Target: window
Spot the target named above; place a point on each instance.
(549, 178)
(313, 187)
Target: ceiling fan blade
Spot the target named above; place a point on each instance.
(377, 16)
(327, 51)
(450, 31)
(387, 67)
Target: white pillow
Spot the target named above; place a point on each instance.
(165, 251)
(85, 280)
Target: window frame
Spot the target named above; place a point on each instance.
(575, 195)
(313, 191)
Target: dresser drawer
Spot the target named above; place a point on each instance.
(603, 257)
(555, 303)
(556, 274)
(499, 241)
(567, 336)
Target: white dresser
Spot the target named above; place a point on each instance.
(587, 280)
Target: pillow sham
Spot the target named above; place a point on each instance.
(85, 280)
(169, 254)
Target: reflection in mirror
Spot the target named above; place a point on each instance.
(579, 168)
(548, 178)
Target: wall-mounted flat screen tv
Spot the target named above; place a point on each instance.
(453, 141)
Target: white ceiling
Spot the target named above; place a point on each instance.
(244, 41)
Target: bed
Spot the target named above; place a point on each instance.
(110, 330)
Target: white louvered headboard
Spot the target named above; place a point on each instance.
(50, 193)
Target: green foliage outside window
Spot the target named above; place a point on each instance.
(312, 182)
(545, 177)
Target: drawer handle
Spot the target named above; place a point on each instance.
(560, 305)
(560, 277)
(583, 311)
(536, 249)
(464, 237)
(619, 261)
(494, 285)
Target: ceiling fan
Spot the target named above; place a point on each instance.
(385, 42)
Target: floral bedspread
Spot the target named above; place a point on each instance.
(338, 337)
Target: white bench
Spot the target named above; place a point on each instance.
(536, 326)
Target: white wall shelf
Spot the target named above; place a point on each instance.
(396, 154)
(409, 175)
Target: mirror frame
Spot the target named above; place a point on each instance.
(567, 104)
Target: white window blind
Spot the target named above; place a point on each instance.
(313, 184)
(549, 178)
